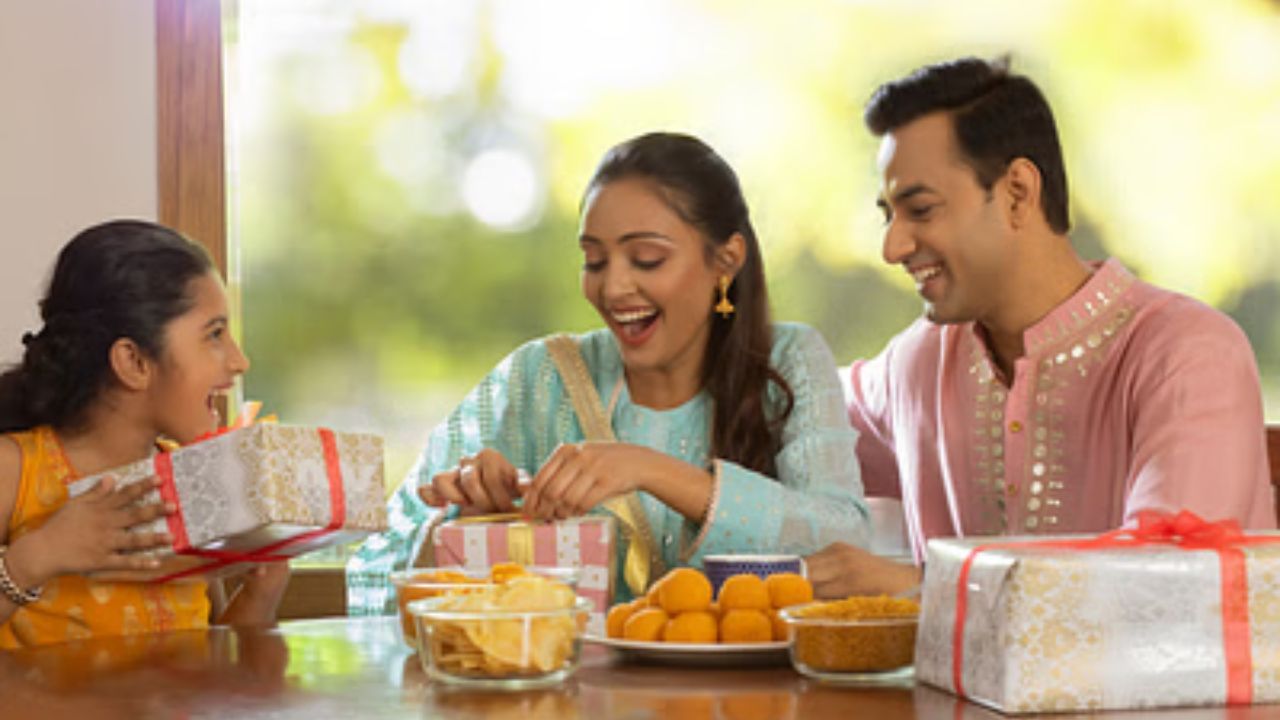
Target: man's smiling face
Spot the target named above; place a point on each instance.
(941, 225)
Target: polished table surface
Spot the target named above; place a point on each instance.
(357, 668)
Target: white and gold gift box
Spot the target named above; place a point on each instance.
(258, 493)
(1153, 619)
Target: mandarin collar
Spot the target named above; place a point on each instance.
(1109, 281)
(1106, 284)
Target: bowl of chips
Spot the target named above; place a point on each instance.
(421, 583)
(858, 639)
(523, 633)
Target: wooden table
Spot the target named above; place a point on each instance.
(356, 669)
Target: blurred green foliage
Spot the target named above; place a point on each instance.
(376, 290)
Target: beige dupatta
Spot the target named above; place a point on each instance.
(641, 561)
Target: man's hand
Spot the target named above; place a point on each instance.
(840, 570)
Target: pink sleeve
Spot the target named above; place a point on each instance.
(1198, 441)
(867, 393)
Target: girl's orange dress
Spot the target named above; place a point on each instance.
(74, 606)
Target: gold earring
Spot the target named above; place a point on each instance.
(724, 307)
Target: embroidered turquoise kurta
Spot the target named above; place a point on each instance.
(521, 410)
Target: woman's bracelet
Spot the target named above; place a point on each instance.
(16, 595)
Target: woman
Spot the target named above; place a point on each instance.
(731, 431)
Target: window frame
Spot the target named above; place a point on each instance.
(190, 127)
(192, 197)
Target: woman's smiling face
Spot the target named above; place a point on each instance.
(650, 276)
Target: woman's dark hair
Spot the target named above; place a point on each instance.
(703, 190)
(998, 116)
(121, 279)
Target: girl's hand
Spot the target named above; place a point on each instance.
(266, 584)
(580, 476)
(258, 598)
(482, 483)
(91, 532)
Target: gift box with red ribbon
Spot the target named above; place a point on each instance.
(1174, 612)
(256, 494)
(585, 543)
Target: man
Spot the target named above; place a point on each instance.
(1040, 393)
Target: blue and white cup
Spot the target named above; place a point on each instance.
(721, 567)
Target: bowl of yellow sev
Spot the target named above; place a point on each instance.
(857, 639)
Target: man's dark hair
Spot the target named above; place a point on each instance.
(998, 116)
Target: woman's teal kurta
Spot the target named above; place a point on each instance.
(521, 410)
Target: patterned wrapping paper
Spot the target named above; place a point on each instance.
(251, 488)
(585, 543)
(1052, 629)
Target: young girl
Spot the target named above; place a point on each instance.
(134, 347)
(728, 430)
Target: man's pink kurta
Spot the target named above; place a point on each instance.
(1129, 398)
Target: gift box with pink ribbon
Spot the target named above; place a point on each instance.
(255, 494)
(585, 543)
(1174, 612)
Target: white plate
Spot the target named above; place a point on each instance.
(702, 654)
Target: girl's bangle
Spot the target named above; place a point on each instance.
(16, 595)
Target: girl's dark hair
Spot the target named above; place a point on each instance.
(704, 191)
(121, 279)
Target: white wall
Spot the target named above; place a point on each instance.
(77, 136)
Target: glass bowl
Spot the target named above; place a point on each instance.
(499, 648)
(422, 583)
(844, 649)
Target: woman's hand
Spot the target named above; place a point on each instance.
(91, 532)
(481, 483)
(580, 476)
(840, 570)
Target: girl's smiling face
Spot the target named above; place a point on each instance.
(199, 362)
(650, 276)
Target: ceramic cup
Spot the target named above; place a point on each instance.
(721, 567)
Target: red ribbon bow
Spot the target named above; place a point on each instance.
(1185, 530)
